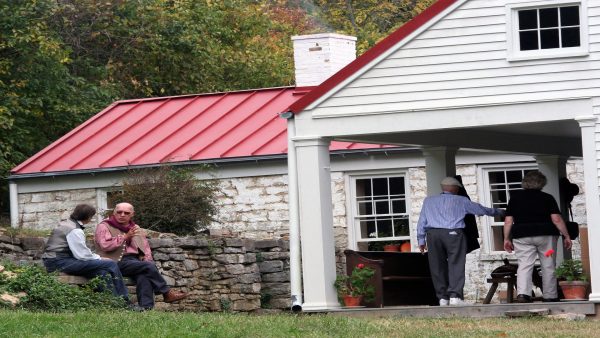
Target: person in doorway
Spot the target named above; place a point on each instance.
(531, 228)
(120, 239)
(66, 251)
(440, 231)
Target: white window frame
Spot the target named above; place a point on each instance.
(485, 198)
(352, 216)
(102, 199)
(512, 30)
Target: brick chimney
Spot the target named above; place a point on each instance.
(318, 56)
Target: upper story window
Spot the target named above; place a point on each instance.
(379, 211)
(546, 29)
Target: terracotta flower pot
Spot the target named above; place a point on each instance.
(352, 300)
(574, 289)
(405, 247)
(391, 247)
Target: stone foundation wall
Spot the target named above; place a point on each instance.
(43, 210)
(220, 274)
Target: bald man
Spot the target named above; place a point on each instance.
(120, 239)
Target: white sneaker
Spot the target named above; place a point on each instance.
(443, 302)
(457, 301)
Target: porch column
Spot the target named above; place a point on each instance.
(316, 223)
(439, 163)
(588, 125)
(14, 204)
(554, 167)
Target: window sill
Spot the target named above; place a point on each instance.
(545, 55)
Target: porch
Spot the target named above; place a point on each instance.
(477, 310)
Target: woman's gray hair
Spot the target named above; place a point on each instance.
(534, 180)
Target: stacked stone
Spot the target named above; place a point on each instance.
(21, 250)
(221, 274)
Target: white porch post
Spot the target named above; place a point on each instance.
(14, 204)
(554, 167)
(316, 223)
(589, 127)
(439, 163)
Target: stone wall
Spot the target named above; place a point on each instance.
(220, 274)
(42, 210)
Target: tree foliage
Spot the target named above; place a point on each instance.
(61, 61)
(170, 199)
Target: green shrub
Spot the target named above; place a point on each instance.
(46, 293)
(170, 199)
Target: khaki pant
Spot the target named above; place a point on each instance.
(527, 249)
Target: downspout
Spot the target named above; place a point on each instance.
(14, 204)
(295, 257)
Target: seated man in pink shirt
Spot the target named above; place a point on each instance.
(120, 239)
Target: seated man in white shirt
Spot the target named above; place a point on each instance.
(66, 251)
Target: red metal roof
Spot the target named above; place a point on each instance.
(371, 54)
(174, 129)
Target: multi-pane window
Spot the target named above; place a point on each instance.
(549, 28)
(380, 212)
(500, 183)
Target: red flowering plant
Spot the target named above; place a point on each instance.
(357, 283)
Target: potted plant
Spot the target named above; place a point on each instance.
(354, 288)
(572, 281)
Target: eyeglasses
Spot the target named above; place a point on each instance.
(123, 212)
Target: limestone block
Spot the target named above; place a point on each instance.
(160, 256)
(190, 265)
(42, 197)
(276, 277)
(249, 278)
(235, 269)
(10, 240)
(276, 289)
(227, 258)
(246, 305)
(233, 250)
(10, 247)
(266, 244)
(170, 250)
(177, 257)
(281, 303)
(270, 266)
(253, 288)
(170, 281)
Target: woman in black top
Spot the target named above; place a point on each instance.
(533, 222)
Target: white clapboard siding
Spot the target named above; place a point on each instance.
(462, 61)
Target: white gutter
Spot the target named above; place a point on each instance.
(295, 253)
(14, 204)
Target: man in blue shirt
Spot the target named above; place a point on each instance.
(442, 223)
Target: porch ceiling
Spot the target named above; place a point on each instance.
(551, 138)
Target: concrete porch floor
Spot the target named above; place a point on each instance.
(587, 308)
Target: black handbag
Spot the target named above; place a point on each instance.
(572, 229)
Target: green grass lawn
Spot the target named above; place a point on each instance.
(171, 324)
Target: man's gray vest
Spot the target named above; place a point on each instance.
(57, 245)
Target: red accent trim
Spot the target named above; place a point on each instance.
(371, 54)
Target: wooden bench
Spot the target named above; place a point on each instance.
(401, 278)
(511, 282)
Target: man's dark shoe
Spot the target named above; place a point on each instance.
(524, 299)
(550, 300)
(173, 296)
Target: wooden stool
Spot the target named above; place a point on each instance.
(511, 282)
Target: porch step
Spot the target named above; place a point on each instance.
(470, 311)
(527, 313)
